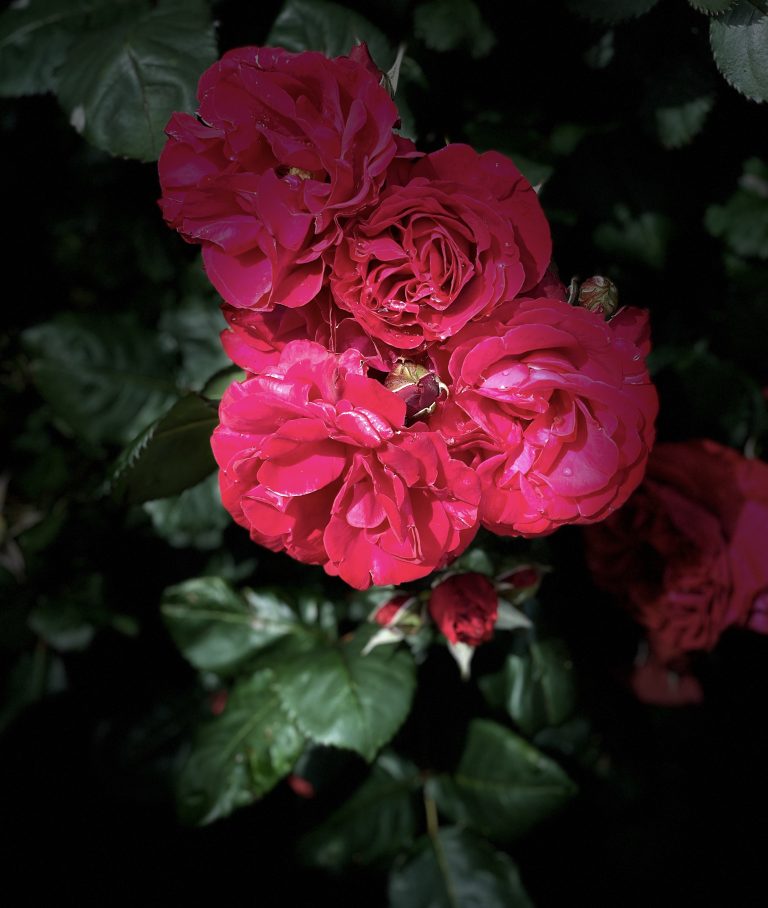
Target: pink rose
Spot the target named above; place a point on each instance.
(463, 233)
(465, 608)
(553, 407)
(315, 459)
(255, 339)
(686, 554)
(283, 146)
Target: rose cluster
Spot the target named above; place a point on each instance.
(414, 370)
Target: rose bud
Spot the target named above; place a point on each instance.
(419, 388)
(520, 582)
(300, 786)
(385, 614)
(600, 295)
(398, 618)
(465, 607)
(218, 701)
(399, 614)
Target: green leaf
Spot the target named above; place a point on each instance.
(217, 629)
(35, 38)
(69, 619)
(642, 237)
(217, 384)
(502, 786)
(456, 869)
(743, 220)
(104, 378)
(374, 824)
(677, 125)
(611, 10)
(33, 676)
(712, 7)
(536, 688)
(192, 331)
(447, 24)
(330, 28)
(239, 755)
(170, 455)
(195, 518)
(694, 379)
(342, 698)
(739, 42)
(120, 84)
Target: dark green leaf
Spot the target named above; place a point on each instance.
(739, 41)
(642, 237)
(34, 41)
(217, 629)
(330, 28)
(712, 7)
(611, 10)
(64, 625)
(456, 869)
(34, 675)
(105, 378)
(342, 698)
(743, 220)
(375, 823)
(536, 688)
(192, 331)
(120, 84)
(172, 454)
(195, 518)
(502, 785)
(677, 125)
(239, 755)
(217, 384)
(602, 51)
(692, 377)
(447, 24)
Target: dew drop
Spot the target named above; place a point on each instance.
(567, 471)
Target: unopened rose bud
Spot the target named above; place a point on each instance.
(417, 386)
(520, 583)
(300, 786)
(399, 613)
(465, 608)
(218, 701)
(600, 295)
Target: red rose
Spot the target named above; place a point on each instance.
(465, 608)
(686, 554)
(553, 407)
(255, 339)
(283, 146)
(464, 233)
(315, 459)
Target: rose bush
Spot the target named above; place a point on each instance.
(315, 459)
(454, 234)
(686, 554)
(554, 409)
(465, 608)
(284, 145)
